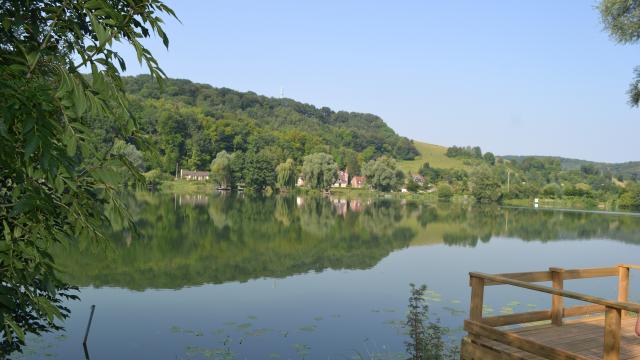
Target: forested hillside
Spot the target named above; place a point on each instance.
(627, 170)
(189, 123)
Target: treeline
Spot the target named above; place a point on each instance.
(259, 172)
(529, 178)
(187, 124)
(468, 152)
(623, 171)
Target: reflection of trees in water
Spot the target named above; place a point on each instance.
(483, 223)
(240, 238)
(237, 239)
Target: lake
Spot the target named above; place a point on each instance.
(229, 276)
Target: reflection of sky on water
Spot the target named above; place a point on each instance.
(332, 314)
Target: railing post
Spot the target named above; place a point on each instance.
(623, 283)
(612, 323)
(477, 298)
(557, 301)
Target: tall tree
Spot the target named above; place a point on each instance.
(319, 170)
(286, 175)
(221, 170)
(47, 193)
(489, 158)
(486, 187)
(381, 173)
(258, 171)
(621, 18)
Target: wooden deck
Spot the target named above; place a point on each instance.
(582, 337)
(604, 329)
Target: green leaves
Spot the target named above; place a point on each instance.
(621, 18)
(54, 183)
(10, 324)
(70, 140)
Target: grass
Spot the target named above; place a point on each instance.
(186, 186)
(435, 155)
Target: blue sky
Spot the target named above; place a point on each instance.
(538, 77)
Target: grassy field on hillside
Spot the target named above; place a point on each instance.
(434, 155)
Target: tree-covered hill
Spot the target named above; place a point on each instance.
(628, 170)
(189, 123)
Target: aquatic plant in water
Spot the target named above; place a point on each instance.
(426, 338)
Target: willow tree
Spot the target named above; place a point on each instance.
(221, 170)
(621, 18)
(319, 170)
(48, 193)
(286, 175)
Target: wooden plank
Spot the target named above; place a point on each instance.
(572, 274)
(566, 293)
(519, 342)
(590, 273)
(557, 334)
(583, 310)
(470, 350)
(612, 323)
(630, 266)
(557, 301)
(520, 318)
(477, 298)
(534, 276)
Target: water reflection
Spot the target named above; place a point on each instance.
(188, 240)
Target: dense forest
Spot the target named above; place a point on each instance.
(187, 124)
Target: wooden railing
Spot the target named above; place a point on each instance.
(485, 327)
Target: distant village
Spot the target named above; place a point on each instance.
(343, 180)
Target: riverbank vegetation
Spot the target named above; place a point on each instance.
(484, 178)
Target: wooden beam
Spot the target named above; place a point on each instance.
(519, 342)
(630, 266)
(612, 323)
(477, 298)
(557, 301)
(623, 283)
(521, 318)
(590, 273)
(583, 310)
(572, 274)
(534, 276)
(566, 293)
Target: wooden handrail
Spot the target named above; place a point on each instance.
(564, 293)
(568, 274)
(630, 266)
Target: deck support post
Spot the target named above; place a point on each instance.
(557, 301)
(477, 298)
(612, 324)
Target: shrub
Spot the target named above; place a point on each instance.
(155, 177)
(552, 190)
(445, 192)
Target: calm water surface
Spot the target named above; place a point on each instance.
(232, 277)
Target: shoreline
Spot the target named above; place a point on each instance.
(567, 204)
